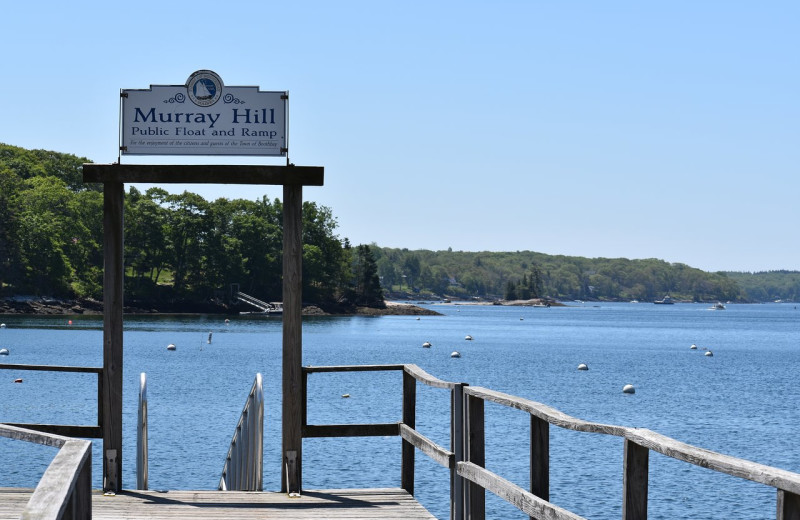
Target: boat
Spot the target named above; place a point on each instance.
(665, 301)
(718, 307)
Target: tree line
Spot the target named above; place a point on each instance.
(183, 248)
(177, 248)
(525, 275)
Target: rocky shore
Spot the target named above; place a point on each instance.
(87, 306)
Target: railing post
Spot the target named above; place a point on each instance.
(476, 453)
(788, 505)
(81, 501)
(457, 447)
(141, 436)
(409, 419)
(634, 483)
(540, 458)
(113, 277)
(292, 454)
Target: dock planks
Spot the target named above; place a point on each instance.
(353, 504)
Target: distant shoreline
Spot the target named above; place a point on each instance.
(90, 307)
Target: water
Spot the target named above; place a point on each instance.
(742, 401)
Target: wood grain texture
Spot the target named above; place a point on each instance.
(523, 500)
(427, 379)
(547, 413)
(113, 294)
(733, 466)
(355, 504)
(428, 447)
(205, 174)
(635, 475)
(54, 496)
(292, 378)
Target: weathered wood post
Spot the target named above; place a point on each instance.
(291, 474)
(634, 481)
(113, 273)
(540, 458)
(457, 426)
(476, 453)
(410, 420)
(788, 505)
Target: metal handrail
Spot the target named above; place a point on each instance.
(142, 468)
(243, 469)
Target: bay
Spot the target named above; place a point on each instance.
(741, 402)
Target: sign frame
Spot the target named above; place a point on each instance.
(204, 117)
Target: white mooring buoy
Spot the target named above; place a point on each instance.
(709, 354)
(628, 389)
(2, 325)
(3, 351)
(693, 347)
(171, 346)
(468, 337)
(583, 366)
(455, 353)
(427, 344)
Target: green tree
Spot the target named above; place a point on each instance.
(366, 284)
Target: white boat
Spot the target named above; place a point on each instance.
(718, 306)
(666, 301)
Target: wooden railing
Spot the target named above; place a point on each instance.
(412, 439)
(67, 430)
(637, 445)
(64, 492)
(466, 457)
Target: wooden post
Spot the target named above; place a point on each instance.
(634, 483)
(457, 447)
(540, 458)
(291, 471)
(113, 273)
(410, 420)
(788, 505)
(82, 494)
(476, 453)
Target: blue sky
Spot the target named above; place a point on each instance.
(661, 129)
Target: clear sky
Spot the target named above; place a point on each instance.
(662, 129)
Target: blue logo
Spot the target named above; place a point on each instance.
(204, 88)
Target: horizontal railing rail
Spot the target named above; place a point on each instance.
(637, 445)
(412, 439)
(90, 432)
(64, 490)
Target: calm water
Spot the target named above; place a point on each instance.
(742, 402)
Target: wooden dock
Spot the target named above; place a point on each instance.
(234, 505)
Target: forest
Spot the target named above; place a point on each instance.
(181, 249)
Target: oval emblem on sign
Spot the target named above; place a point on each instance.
(204, 88)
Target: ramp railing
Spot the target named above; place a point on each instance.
(141, 436)
(243, 469)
